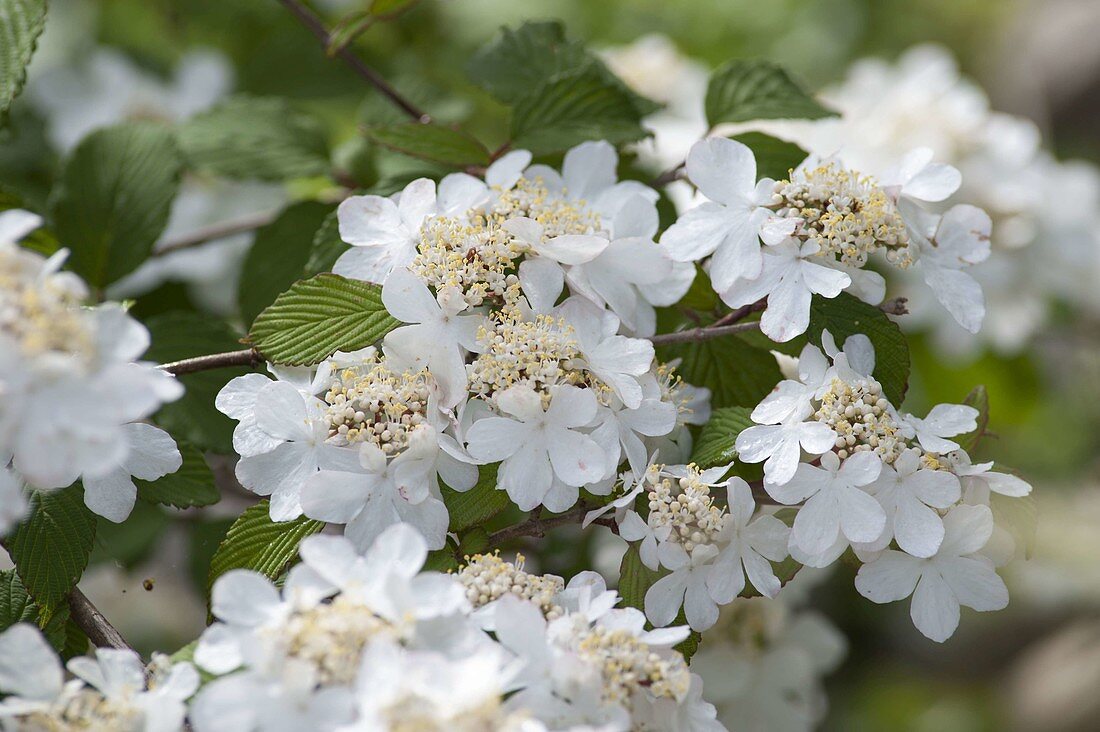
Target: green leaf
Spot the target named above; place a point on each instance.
(327, 246)
(441, 560)
(688, 646)
(42, 239)
(477, 505)
(522, 59)
(50, 549)
(113, 199)
(256, 542)
(635, 579)
(979, 399)
(847, 315)
(278, 256)
(432, 142)
(255, 138)
(193, 418)
(190, 486)
(715, 444)
(319, 316)
(21, 22)
(746, 90)
(775, 158)
(736, 373)
(574, 107)
(16, 606)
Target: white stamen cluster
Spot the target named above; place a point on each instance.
(557, 214)
(862, 419)
(487, 577)
(539, 353)
(331, 638)
(372, 403)
(684, 507)
(672, 390)
(41, 311)
(845, 213)
(473, 255)
(629, 665)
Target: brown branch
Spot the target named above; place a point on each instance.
(537, 526)
(246, 357)
(307, 18)
(695, 335)
(670, 175)
(89, 619)
(220, 230)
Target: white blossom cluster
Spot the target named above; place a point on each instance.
(371, 642)
(72, 389)
(814, 232)
(493, 365)
(1045, 253)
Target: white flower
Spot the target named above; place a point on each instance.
(540, 447)
(961, 239)
(618, 361)
(750, 544)
(695, 583)
(438, 336)
(908, 493)
(384, 232)
(779, 446)
(383, 492)
(789, 277)
(728, 226)
(956, 575)
(978, 480)
(916, 178)
(541, 273)
(110, 691)
(835, 504)
(152, 454)
(945, 420)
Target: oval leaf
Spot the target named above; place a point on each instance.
(746, 90)
(432, 142)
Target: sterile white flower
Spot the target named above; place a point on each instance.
(779, 446)
(836, 502)
(751, 543)
(943, 421)
(543, 455)
(956, 575)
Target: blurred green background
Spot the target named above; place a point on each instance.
(1034, 666)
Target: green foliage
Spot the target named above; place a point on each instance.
(635, 579)
(42, 239)
(193, 418)
(278, 256)
(522, 59)
(736, 373)
(715, 444)
(477, 505)
(747, 90)
(50, 549)
(113, 199)
(979, 399)
(319, 316)
(327, 247)
(572, 108)
(256, 542)
(21, 22)
(16, 606)
(255, 138)
(847, 315)
(190, 486)
(775, 158)
(432, 142)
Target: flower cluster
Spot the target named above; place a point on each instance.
(524, 297)
(813, 233)
(369, 641)
(869, 477)
(113, 691)
(72, 389)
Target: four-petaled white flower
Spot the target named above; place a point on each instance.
(752, 544)
(779, 446)
(945, 420)
(956, 575)
(960, 239)
(835, 502)
(543, 456)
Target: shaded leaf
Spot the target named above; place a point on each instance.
(431, 142)
(716, 440)
(746, 90)
(979, 399)
(256, 542)
(327, 247)
(775, 158)
(736, 373)
(190, 486)
(319, 316)
(477, 505)
(635, 579)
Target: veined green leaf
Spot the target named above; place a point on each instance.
(477, 505)
(431, 142)
(775, 158)
(256, 542)
(21, 22)
(746, 90)
(192, 485)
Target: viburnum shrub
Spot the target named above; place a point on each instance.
(442, 367)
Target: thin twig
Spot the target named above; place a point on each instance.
(696, 335)
(307, 18)
(740, 313)
(538, 526)
(220, 230)
(246, 357)
(670, 175)
(89, 619)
